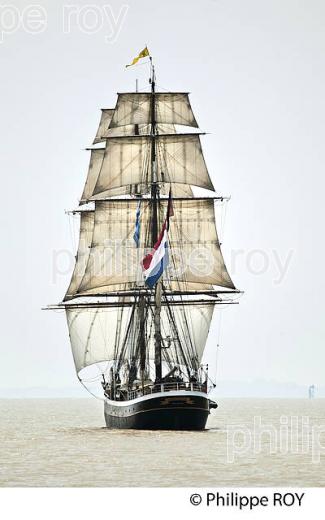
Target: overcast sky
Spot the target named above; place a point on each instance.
(255, 70)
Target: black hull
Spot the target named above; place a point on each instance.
(163, 411)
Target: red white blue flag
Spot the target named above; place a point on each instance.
(157, 260)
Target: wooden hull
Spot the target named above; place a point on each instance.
(178, 410)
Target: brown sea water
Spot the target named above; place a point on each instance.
(63, 442)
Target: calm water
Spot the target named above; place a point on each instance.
(63, 442)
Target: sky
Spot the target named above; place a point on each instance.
(255, 70)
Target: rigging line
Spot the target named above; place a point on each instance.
(168, 358)
(142, 330)
(218, 346)
(103, 369)
(89, 335)
(175, 359)
(166, 353)
(124, 345)
(118, 329)
(163, 88)
(76, 332)
(206, 373)
(184, 338)
(143, 90)
(101, 329)
(224, 207)
(119, 247)
(163, 162)
(89, 391)
(177, 335)
(146, 164)
(93, 379)
(72, 231)
(172, 156)
(138, 105)
(121, 170)
(134, 348)
(179, 231)
(185, 122)
(164, 350)
(184, 318)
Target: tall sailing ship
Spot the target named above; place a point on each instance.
(149, 269)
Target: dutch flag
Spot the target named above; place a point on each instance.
(157, 260)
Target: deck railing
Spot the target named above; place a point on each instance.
(166, 387)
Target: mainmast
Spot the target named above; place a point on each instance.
(154, 225)
(154, 228)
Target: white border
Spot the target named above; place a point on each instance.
(146, 503)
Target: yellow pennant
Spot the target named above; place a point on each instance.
(142, 54)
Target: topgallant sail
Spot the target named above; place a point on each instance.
(149, 269)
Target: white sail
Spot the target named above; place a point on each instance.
(170, 108)
(114, 260)
(179, 160)
(95, 167)
(95, 164)
(85, 237)
(192, 323)
(104, 123)
(167, 107)
(93, 333)
(95, 337)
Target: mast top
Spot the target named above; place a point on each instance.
(152, 79)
